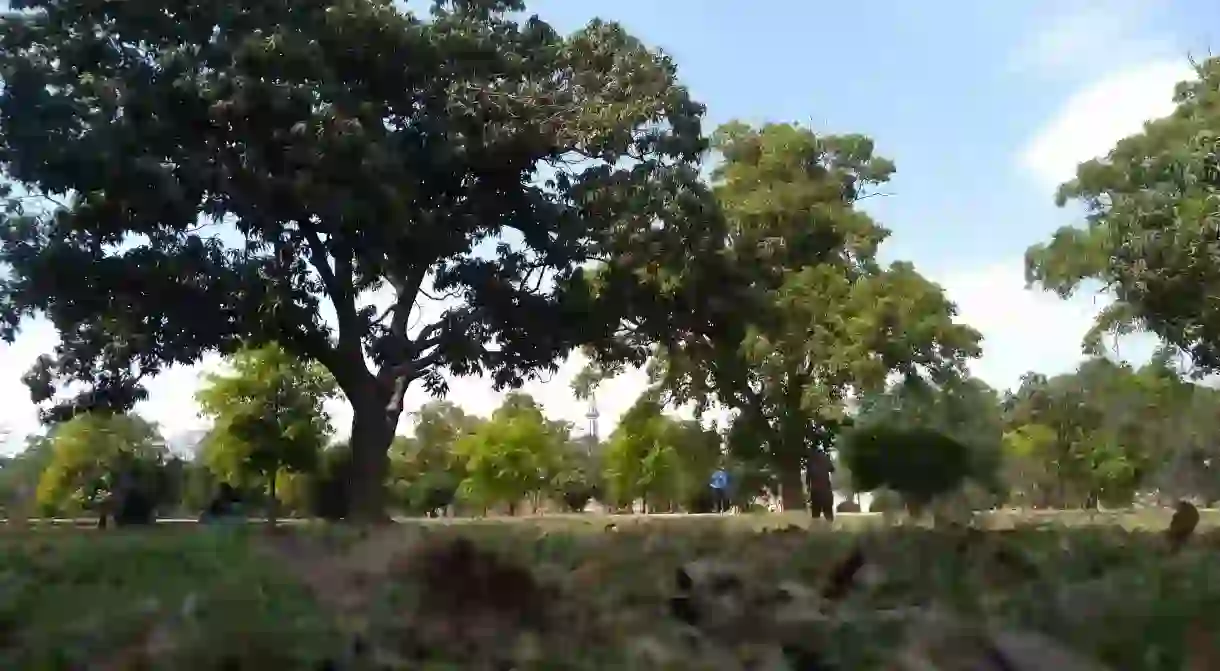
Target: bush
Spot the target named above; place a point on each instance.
(576, 497)
(885, 501)
(847, 507)
(919, 463)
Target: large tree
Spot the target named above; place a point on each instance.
(1150, 235)
(214, 173)
(788, 312)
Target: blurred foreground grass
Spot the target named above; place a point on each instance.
(598, 591)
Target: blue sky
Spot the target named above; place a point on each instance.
(952, 91)
(985, 107)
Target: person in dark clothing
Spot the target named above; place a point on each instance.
(223, 505)
(817, 479)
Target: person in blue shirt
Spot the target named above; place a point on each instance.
(720, 491)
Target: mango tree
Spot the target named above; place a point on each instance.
(188, 177)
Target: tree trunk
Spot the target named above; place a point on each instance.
(273, 502)
(372, 432)
(791, 485)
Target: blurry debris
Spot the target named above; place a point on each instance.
(1202, 651)
(942, 643)
(1185, 519)
(458, 578)
(801, 659)
(1030, 651)
(709, 594)
(843, 577)
(763, 627)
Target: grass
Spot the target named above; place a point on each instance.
(598, 593)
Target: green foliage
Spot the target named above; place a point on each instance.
(919, 463)
(94, 456)
(886, 501)
(1106, 593)
(1150, 232)
(510, 457)
(20, 474)
(425, 470)
(787, 310)
(665, 462)
(1086, 437)
(336, 150)
(966, 410)
(329, 498)
(578, 478)
(268, 417)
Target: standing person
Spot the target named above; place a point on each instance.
(817, 479)
(720, 491)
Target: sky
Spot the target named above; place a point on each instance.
(985, 107)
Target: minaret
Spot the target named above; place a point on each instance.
(591, 414)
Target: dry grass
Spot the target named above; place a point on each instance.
(620, 592)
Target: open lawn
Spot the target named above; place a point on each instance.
(607, 592)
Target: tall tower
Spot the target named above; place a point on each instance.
(591, 414)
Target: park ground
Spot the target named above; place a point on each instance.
(621, 592)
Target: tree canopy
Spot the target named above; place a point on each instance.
(267, 417)
(790, 313)
(190, 177)
(511, 456)
(93, 455)
(1152, 210)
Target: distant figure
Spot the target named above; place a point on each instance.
(223, 506)
(817, 479)
(720, 491)
(1185, 519)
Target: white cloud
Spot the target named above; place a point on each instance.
(1080, 39)
(1027, 329)
(1098, 115)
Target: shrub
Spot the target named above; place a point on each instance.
(919, 463)
(847, 507)
(885, 501)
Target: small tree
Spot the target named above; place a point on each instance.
(268, 418)
(577, 479)
(97, 460)
(640, 460)
(918, 463)
(510, 457)
(425, 470)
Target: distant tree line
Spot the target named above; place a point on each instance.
(1099, 436)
